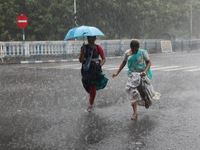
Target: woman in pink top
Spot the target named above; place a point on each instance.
(92, 79)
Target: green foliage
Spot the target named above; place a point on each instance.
(196, 18)
(8, 17)
(117, 19)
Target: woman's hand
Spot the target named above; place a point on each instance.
(114, 75)
(120, 68)
(144, 73)
(83, 47)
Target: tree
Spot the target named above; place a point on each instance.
(196, 18)
(8, 17)
(117, 19)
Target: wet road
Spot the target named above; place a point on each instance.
(43, 107)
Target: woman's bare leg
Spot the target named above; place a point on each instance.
(134, 105)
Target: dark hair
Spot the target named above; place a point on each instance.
(134, 44)
(91, 37)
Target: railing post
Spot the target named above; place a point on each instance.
(36, 48)
(64, 51)
(40, 53)
(120, 47)
(182, 45)
(156, 46)
(73, 50)
(145, 45)
(52, 51)
(2, 52)
(105, 48)
(174, 46)
(23, 52)
(47, 50)
(198, 44)
(189, 45)
(7, 50)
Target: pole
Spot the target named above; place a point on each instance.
(23, 36)
(191, 19)
(23, 44)
(75, 11)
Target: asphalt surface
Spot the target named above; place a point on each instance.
(43, 107)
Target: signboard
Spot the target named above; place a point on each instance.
(22, 21)
(166, 46)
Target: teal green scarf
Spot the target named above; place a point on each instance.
(134, 63)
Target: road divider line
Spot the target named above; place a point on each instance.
(114, 68)
(161, 68)
(198, 69)
(65, 66)
(155, 66)
(78, 67)
(182, 68)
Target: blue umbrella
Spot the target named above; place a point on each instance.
(83, 31)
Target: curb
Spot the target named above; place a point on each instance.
(59, 61)
(48, 61)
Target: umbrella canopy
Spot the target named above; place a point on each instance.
(83, 31)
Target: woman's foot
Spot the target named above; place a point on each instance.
(134, 117)
(89, 109)
(146, 104)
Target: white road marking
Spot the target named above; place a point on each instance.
(155, 66)
(69, 68)
(63, 66)
(182, 68)
(108, 66)
(198, 69)
(161, 68)
(116, 67)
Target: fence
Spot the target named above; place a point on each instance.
(36, 50)
(185, 45)
(2, 51)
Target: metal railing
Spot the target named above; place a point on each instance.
(186, 45)
(2, 51)
(72, 49)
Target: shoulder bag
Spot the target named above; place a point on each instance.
(87, 64)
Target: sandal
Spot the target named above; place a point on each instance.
(134, 117)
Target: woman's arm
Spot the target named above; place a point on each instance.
(82, 54)
(103, 61)
(102, 54)
(147, 67)
(120, 68)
